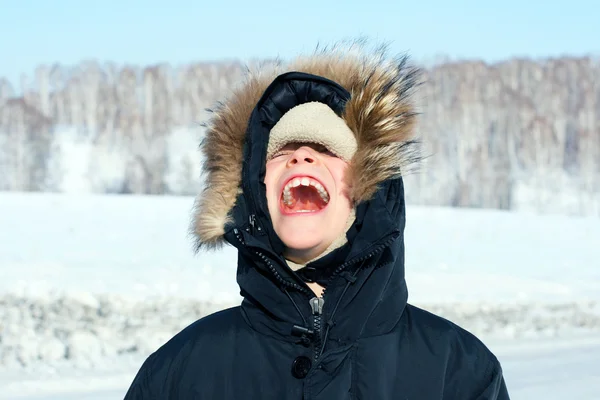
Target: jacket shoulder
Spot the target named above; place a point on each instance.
(446, 331)
(472, 371)
(192, 346)
(209, 328)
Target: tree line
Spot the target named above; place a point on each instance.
(509, 135)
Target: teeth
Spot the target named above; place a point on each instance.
(287, 195)
(305, 181)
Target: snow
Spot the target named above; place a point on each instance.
(91, 284)
(552, 369)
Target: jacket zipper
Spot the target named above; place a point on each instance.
(316, 304)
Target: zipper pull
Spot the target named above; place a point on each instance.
(316, 303)
(252, 221)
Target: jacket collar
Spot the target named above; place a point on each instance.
(367, 293)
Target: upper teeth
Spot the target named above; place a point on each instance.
(304, 181)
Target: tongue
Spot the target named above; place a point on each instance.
(304, 198)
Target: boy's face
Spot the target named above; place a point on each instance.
(308, 199)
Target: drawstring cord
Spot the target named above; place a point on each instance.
(295, 305)
(351, 278)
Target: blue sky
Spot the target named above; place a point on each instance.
(180, 31)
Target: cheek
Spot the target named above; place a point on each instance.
(338, 170)
(270, 178)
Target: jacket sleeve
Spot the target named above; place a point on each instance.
(495, 388)
(142, 387)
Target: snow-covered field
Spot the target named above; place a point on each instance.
(90, 285)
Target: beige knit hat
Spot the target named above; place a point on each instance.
(313, 122)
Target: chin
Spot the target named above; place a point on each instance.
(302, 240)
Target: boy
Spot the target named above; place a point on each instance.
(305, 179)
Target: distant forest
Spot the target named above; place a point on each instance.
(518, 134)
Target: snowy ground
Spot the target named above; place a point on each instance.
(89, 285)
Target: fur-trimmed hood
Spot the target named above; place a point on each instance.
(377, 106)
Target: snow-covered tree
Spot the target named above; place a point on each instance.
(514, 134)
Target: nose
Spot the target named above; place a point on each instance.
(302, 155)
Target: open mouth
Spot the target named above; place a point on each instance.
(303, 195)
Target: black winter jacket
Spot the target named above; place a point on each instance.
(360, 341)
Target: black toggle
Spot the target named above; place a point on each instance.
(301, 331)
(305, 335)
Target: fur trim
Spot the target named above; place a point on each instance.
(380, 113)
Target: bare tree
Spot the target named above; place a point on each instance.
(490, 130)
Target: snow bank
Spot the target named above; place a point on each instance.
(88, 331)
